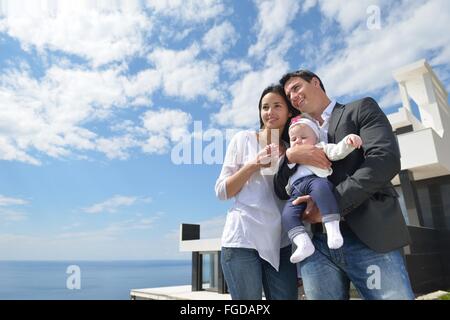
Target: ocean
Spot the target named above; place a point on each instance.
(96, 280)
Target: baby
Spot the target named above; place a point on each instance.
(309, 180)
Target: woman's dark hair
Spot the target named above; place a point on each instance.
(278, 89)
(304, 74)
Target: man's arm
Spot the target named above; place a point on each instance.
(307, 154)
(382, 158)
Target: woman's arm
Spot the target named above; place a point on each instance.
(234, 183)
(234, 174)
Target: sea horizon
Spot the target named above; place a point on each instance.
(87, 279)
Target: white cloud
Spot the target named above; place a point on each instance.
(7, 201)
(236, 67)
(187, 10)
(274, 40)
(164, 126)
(50, 115)
(111, 205)
(99, 31)
(9, 151)
(140, 86)
(116, 147)
(168, 122)
(368, 58)
(347, 13)
(275, 57)
(246, 91)
(308, 4)
(156, 144)
(243, 110)
(220, 38)
(8, 215)
(274, 16)
(183, 75)
(390, 98)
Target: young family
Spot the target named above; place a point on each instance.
(335, 166)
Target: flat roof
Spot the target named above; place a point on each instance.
(177, 293)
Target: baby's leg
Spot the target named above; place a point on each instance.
(305, 247)
(334, 236)
(322, 194)
(292, 223)
(291, 217)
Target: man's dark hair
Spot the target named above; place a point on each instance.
(304, 74)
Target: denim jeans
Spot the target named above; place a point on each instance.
(247, 275)
(327, 273)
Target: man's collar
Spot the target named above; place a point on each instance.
(329, 109)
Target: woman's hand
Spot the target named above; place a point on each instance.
(265, 156)
(263, 159)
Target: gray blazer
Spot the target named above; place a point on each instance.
(367, 199)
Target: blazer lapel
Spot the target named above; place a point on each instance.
(334, 121)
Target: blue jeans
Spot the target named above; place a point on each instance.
(247, 275)
(327, 273)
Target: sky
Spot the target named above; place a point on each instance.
(114, 115)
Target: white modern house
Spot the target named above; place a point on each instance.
(424, 143)
(422, 126)
(424, 180)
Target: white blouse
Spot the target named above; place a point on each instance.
(254, 220)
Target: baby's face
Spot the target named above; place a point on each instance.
(302, 134)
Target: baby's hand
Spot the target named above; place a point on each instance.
(354, 140)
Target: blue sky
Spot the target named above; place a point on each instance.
(95, 96)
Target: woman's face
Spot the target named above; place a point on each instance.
(274, 111)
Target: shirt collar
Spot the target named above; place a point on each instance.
(326, 114)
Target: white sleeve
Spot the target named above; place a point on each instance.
(337, 151)
(231, 164)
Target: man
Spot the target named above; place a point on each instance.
(372, 223)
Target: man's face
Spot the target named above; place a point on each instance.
(304, 96)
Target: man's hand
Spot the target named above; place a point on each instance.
(307, 154)
(312, 213)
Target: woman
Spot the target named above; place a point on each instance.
(251, 256)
